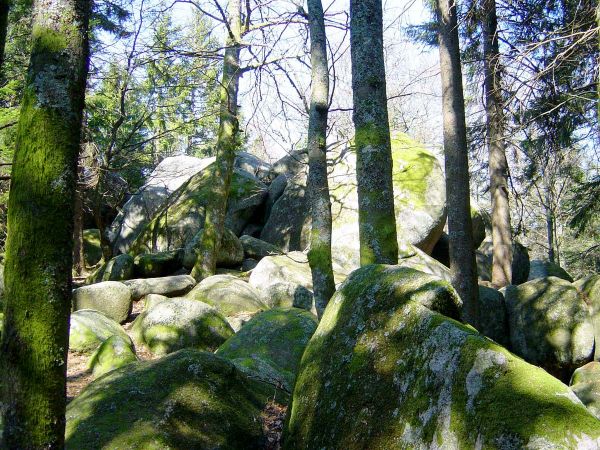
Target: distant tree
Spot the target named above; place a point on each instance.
(377, 220)
(35, 335)
(319, 256)
(460, 230)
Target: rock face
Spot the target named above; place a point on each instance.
(118, 268)
(550, 325)
(181, 219)
(493, 318)
(187, 400)
(231, 252)
(419, 192)
(113, 353)
(92, 250)
(589, 287)
(258, 249)
(152, 265)
(90, 328)
(542, 269)
(228, 294)
(254, 165)
(385, 358)
(172, 286)
(180, 323)
(287, 295)
(585, 383)
(109, 297)
(166, 178)
(270, 345)
(411, 256)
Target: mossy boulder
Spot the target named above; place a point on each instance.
(585, 383)
(92, 250)
(254, 165)
(271, 344)
(228, 294)
(286, 295)
(520, 264)
(419, 200)
(540, 268)
(186, 400)
(153, 265)
(172, 286)
(589, 287)
(140, 208)
(153, 299)
(89, 329)
(481, 222)
(385, 369)
(119, 268)
(231, 252)
(111, 298)
(257, 249)
(179, 323)
(493, 318)
(176, 224)
(113, 353)
(415, 258)
(550, 325)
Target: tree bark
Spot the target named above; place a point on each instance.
(462, 253)
(35, 338)
(227, 144)
(319, 256)
(4, 10)
(498, 165)
(377, 220)
(78, 254)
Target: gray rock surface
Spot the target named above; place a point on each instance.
(111, 298)
(172, 286)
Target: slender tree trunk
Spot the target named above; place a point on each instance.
(462, 253)
(4, 10)
(319, 256)
(377, 220)
(78, 255)
(549, 228)
(39, 248)
(498, 165)
(227, 144)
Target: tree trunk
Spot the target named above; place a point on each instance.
(319, 256)
(4, 10)
(78, 255)
(549, 228)
(498, 165)
(39, 248)
(227, 144)
(377, 220)
(462, 253)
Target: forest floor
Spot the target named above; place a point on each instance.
(79, 376)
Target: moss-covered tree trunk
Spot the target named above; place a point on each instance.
(227, 144)
(377, 220)
(39, 246)
(498, 165)
(462, 253)
(319, 256)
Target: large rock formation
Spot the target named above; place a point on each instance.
(589, 287)
(187, 400)
(541, 268)
(385, 369)
(166, 178)
(419, 191)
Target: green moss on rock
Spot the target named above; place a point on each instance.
(385, 370)
(152, 265)
(231, 252)
(92, 250)
(91, 328)
(187, 400)
(113, 353)
(271, 344)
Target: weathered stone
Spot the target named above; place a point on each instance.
(139, 210)
(258, 249)
(230, 254)
(276, 190)
(419, 192)
(113, 353)
(119, 268)
(249, 264)
(254, 165)
(228, 294)
(543, 269)
(151, 300)
(385, 370)
(273, 340)
(172, 286)
(286, 295)
(589, 287)
(292, 267)
(186, 400)
(413, 257)
(481, 222)
(182, 218)
(586, 374)
(109, 297)
(585, 383)
(179, 323)
(92, 250)
(550, 325)
(90, 328)
(519, 266)
(493, 318)
(152, 265)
